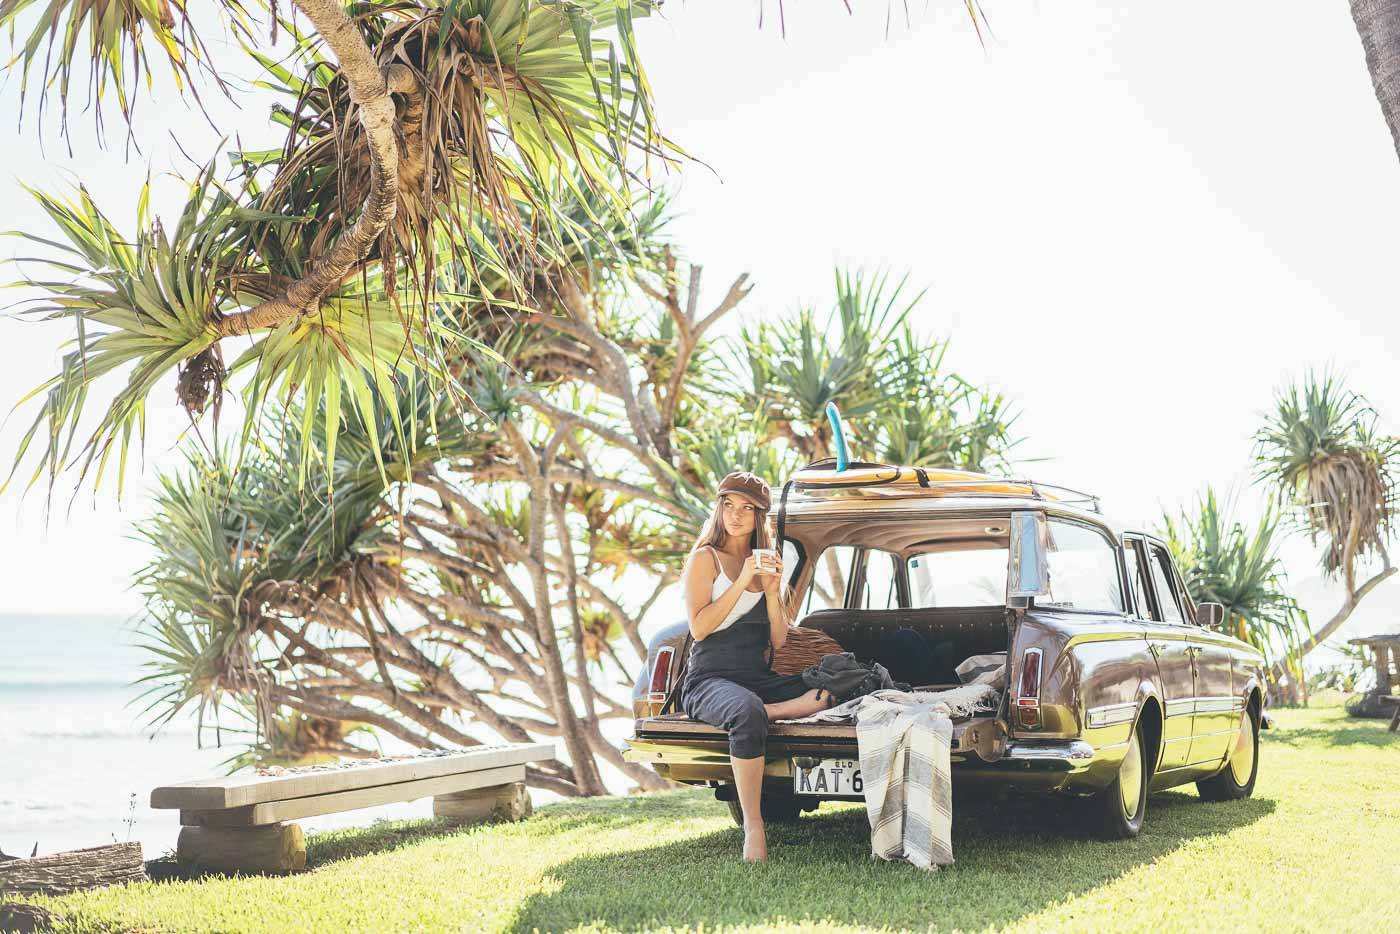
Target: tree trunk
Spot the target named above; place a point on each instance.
(369, 91)
(571, 731)
(60, 873)
(1378, 24)
(1335, 623)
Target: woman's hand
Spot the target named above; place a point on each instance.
(772, 580)
(748, 570)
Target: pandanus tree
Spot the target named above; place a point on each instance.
(1239, 567)
(899, 401)
(482, 416)
(429, 147)
(497, 587)
(1327, 461)
(478, 579)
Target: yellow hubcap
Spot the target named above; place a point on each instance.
(1242, 756)
(1130, 778)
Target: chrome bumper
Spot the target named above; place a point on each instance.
(1021, 755)
(1051, 756)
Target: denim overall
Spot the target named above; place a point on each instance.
(727, 682)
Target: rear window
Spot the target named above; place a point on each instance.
(963, 577)
(1083, 570)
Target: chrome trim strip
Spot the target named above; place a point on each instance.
(1188, 705)
(1216, 704)
(1111, 714)
(1181, 707)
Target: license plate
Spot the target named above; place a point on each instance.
(829, 777)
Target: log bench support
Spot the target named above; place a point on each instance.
(274, 848)
(1395, 717)
(502, 802)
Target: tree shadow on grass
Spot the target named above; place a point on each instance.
(327, 847)
(1011, 861)
(1354, 732)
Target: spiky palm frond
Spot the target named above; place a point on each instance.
(221, 533)
(146, 306)
(932, 418)
(712, 448)
(354, 356)
(517, 143)
(208, 558)
(1224, 562)
(292, 738)
(797, 366)
(510, 121)
(1323, 452)
(111, 40)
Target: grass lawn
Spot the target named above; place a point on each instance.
(1316, 848)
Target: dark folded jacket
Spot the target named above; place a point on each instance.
(846, 677)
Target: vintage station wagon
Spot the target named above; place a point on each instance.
(1116, 682)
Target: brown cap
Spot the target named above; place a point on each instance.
(748, 485)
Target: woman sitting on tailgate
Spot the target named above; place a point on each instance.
(733, 593)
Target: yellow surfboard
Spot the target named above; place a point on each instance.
(937, 481)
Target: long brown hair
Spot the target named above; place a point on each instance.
(716, 536)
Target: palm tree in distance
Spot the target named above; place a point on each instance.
(1224, 562)
(902, 404)
(1328, 463)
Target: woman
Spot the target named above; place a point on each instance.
(736, 609)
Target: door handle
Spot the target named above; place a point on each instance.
(1158, 648)
(1193, 650)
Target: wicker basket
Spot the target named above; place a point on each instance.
(803, 649)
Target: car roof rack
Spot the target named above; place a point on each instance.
(1037, 489)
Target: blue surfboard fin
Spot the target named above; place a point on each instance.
(843, 458)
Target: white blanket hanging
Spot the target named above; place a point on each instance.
(904, 741)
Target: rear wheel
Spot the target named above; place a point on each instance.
(1118, 810)
(775, 807)
(1236, 780)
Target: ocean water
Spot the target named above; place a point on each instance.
(77, 763)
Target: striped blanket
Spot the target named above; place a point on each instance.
(904, 741)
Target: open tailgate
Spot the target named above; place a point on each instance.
(784, 737)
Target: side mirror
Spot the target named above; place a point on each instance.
(1209, 615)
(1027, 570)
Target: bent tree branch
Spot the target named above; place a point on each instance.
(1341, 616)
(370, 92)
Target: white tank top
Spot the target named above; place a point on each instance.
(746, 600)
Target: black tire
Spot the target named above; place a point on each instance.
(1117, 811)
(1242, 763)
(779, 808)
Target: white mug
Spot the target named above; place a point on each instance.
(767, 559)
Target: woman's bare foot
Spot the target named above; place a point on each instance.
(755, 844)
(807, 704)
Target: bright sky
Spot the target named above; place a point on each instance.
(1135, 220)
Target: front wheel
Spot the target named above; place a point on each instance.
(777, 808)
(1236, 780)
(1118, 810)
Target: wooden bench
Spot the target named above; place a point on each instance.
(1395, 718)
(243, 822)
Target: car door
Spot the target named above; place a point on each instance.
(1169, 641)
(1216, 715)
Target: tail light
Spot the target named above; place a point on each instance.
(661, 673)
(1028, 692)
